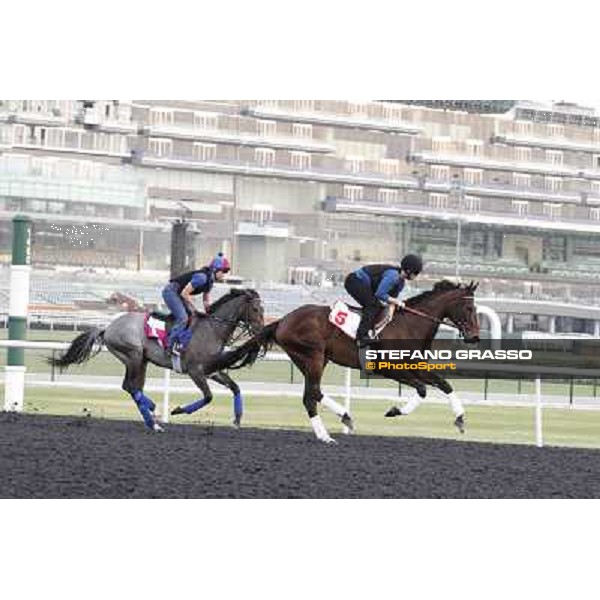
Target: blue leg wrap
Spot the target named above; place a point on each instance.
(194, 406)
(145, 406)
(238, 406)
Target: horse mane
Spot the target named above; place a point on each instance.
(445, 285)
(233, 293)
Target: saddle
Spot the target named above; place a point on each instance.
(168, 319)
(158, 326)
(347, 318)
(356, 309)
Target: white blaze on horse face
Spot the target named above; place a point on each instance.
(333, 406)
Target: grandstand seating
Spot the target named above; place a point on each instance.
(85, 289)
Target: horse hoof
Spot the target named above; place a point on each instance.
(347, 421)
(329, 441)
(393, 412)
(237, 423)
(459, 423)
(156, 427)
(176, 411)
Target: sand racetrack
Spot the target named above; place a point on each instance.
(68, 457)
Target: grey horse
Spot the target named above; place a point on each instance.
(126, 339)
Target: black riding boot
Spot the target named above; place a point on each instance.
(367, 322)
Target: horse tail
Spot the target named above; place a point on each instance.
(248, 352)
(82, 348)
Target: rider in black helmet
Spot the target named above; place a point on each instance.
(377, 286)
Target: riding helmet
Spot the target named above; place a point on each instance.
(220, 263)
(412, 263)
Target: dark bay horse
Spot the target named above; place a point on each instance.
(125, 338)
(311, 341)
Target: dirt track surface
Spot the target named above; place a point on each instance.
(66, 457)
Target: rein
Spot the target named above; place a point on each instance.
(435, 320)
(244, 327)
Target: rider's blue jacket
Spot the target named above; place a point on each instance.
(384, 280)
(202, 280)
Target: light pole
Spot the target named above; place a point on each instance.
(457, 187)
(421, 178)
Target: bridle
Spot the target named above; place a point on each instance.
(242, 322)
(460, 326)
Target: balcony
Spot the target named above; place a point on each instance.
(508, 191)
(34, 118)
(313, 174)
(236, 139)
(331, 120)
(486, 217)
(502, 190)
(34, 144)
(547, 143)
(93, 119)
(484, 162)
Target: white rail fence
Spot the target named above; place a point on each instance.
(346, 391)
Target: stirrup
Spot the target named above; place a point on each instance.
(365, 340)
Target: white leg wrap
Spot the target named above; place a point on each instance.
(319, 429)
(412, 403)
(456, 405)
(333, 406)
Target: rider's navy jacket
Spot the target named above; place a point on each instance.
(385, 280)
(202, 280)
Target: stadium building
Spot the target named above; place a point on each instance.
(302, 192)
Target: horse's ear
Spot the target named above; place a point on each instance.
(475, 286)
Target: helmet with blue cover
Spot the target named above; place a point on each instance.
(220, 263)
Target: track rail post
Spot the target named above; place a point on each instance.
(20, 273)
(539, 439)
(166, 394)
(347, 393)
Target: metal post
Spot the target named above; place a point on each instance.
(234, 245)
(347, 395)
(234, 250)
(456, 270)
(457, 185)
(140, 256)
(485, 387)
(539, 441)
(20, 273)
(166, 394)
(571, 391)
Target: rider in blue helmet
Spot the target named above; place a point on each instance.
(178, 293)
(377, 286)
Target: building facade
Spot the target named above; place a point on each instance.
(302, 191)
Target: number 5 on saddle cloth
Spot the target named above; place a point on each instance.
(347, 318)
